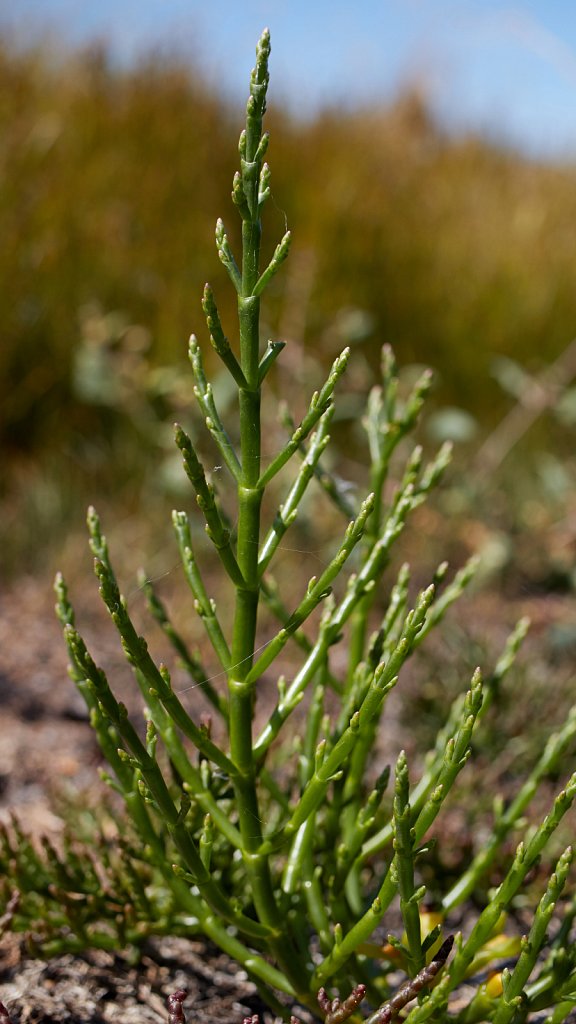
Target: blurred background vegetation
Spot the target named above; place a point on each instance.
(456, 251)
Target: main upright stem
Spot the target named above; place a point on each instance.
(249, 197)
(249, 494)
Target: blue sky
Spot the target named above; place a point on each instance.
(508, 69)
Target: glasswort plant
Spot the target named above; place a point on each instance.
(290, 864)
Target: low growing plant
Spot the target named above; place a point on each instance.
(285, 842)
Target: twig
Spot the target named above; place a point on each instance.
(390, 1010)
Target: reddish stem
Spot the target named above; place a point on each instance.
(176, 1012)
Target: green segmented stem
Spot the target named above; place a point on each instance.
(404, 846)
